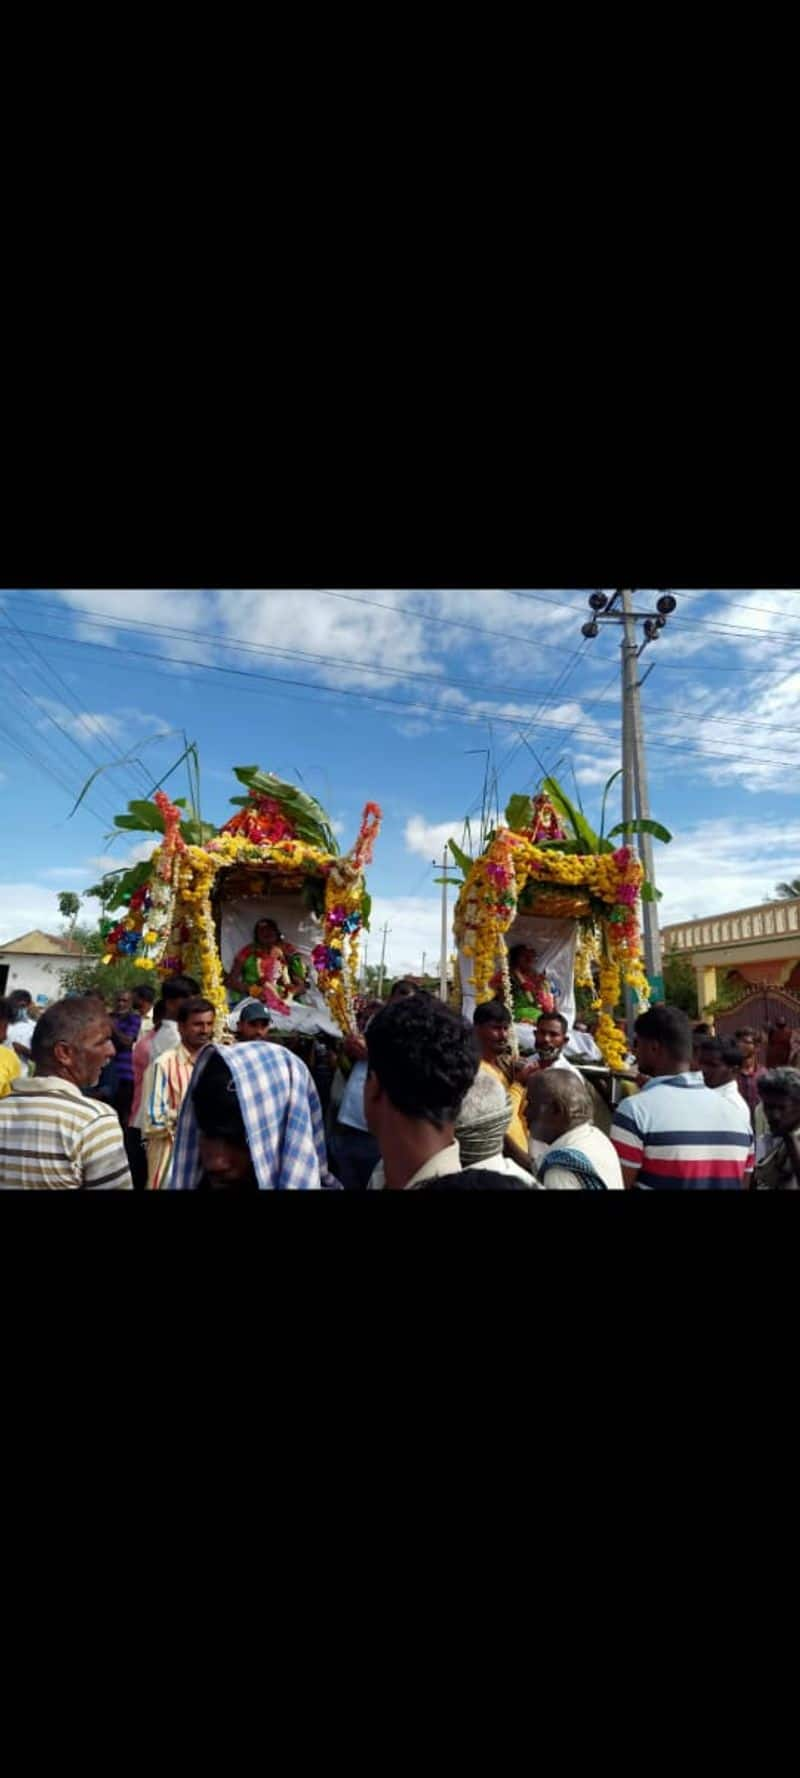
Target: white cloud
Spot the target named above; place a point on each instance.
(715, 867)
(414, 923)
(429, 839)
(25, 907)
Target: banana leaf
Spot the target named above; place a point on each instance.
(462, 859)
(519, 813)
(612, 780)
(128, 882)
(366, 910)
(649, 892)
(644, 826)
(142, 817)
(307, 815)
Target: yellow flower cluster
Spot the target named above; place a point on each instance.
(587, 953)
(610, 1042)
(289, 855)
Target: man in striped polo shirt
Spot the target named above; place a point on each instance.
(677, 1134)
(51, 1137)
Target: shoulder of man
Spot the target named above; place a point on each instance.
(476, 1179)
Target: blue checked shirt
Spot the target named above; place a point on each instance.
(282, 1116)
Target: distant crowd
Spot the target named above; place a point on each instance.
(140, 1096)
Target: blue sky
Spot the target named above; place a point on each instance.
(447, 672)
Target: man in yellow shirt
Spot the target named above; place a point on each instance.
(492, 1023)
(10, 1065)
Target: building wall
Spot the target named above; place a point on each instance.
(41, 976)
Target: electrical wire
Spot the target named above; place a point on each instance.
(70, 695)
(161, 664)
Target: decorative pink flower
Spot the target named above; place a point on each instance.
(622, 857)
(627, 894)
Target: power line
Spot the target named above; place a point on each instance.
(453, 623)
(329, 660)
(54, 720)
(70, 695)
(162, 664)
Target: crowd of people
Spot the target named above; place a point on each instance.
(419, 1099)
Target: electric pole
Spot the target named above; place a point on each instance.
(386, 928)
(445, 879)
(423, 965)
(619, 609)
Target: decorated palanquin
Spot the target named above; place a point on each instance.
(204, 889)
(547, 874)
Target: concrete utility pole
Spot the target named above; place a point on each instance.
(650, 929)
(618, 608)
(445, 879)
(386, 928)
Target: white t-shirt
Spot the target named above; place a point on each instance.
(168, 1038)
(598, 1151)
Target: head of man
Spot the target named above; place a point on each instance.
(421, 1061)
(266, 934)
(72, 1040)
(663, 1041)
(748, 1042)
(174, 993)
(779, 1089)
(21, 1003)
(402, 988)
(224, 1150)
(719, 1060)
(123, 1001)
(558, 1101)
(195, 1022)
(522, 960)
(483, 1120)
(491, 1023)
(143, 1000)
(551, 1036)
(253, 1022)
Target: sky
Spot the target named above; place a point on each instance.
(399, 697)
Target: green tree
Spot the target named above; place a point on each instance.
(69, 907)
(788, 891)
(680, 983)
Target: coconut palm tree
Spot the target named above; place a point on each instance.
(788, 891)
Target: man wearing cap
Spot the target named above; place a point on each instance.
(253, 1021)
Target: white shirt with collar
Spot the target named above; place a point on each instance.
(448, 1160)
(167, 1038)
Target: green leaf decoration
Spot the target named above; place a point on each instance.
(308, 816)
(142, 817)
(462, 859)
(366, 910)
(612, 780)
(645, 826)
(128, 882)
(649, 892)
(519, 813)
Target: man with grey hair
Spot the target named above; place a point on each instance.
(779, 1171)
(481, 1126)
(577, 1157)
(53, 1138)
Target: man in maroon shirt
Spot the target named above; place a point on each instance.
(750, 1073)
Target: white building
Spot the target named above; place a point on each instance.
(36, 961)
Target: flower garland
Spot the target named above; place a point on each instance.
(170, 919)
(489, 899)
